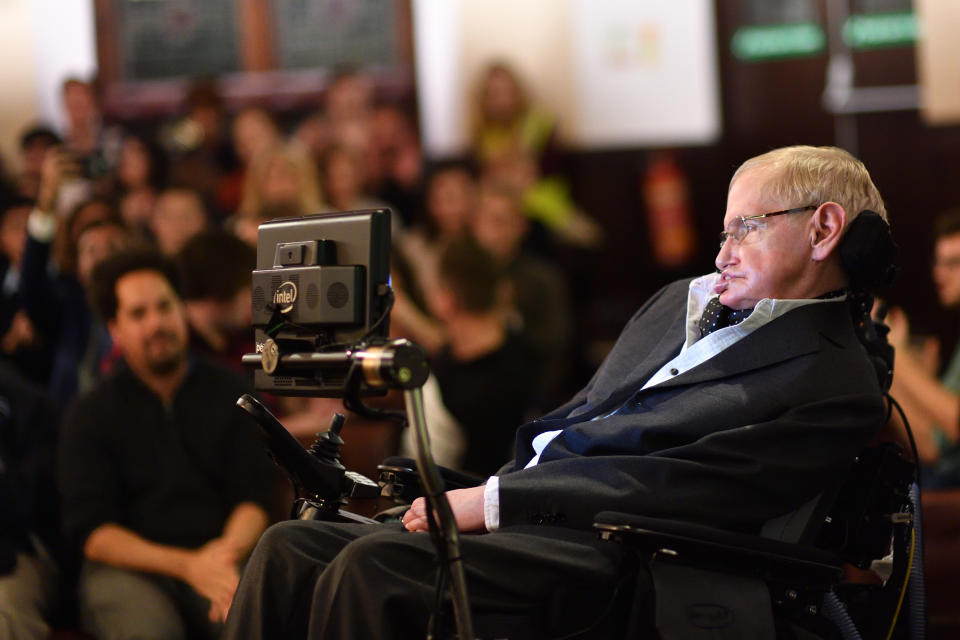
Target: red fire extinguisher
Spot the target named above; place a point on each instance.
(672, 235)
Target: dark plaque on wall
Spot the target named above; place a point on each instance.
(172, 38)
(335, 33)
(770, 12)
(881, 6)
(276, 53)
(777, 29)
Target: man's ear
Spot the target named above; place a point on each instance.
(828, 223)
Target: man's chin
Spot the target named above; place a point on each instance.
(166, 366)
(733, 301)
(727, 299)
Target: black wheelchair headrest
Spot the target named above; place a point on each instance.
(868, 253)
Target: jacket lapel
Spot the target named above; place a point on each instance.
(625, 375)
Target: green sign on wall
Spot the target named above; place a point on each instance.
(757, 43)
(871, 31)
(777, 41)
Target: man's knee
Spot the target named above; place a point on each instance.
(116, 604)
(27, 597)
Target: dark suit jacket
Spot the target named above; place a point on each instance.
(748, 435)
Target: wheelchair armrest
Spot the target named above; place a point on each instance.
(776, 560)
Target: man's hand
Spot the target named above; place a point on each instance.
(21, 333)
(57, 165)
(899, 335)
(467, 507)
(212, 572)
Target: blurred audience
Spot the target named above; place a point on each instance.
(20, 343)
(932, 403)
(344, 183)
(347, 109)
(178, 215)
(281, 181)
(200, 149)
(29, 525)
(165, 486)
(539, 295)
(394, 163)
(139, 179)
(449, 200)
(34, 143)
(215, 268)
(82, 134)
(515, 142)
(54, 291)
(94, 147)
(507, 122)
(280, 176)
(253, 132)
(196, 187)
(483, 373)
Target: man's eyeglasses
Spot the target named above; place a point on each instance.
(738, 227)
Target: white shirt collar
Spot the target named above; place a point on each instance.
(701, 292)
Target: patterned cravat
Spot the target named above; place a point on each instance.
(717, 316)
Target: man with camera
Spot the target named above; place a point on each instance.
(165, 486)
(729, 399)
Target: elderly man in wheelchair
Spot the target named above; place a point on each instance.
(732, 402)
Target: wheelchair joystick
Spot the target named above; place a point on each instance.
(317, 472)
(326, 446)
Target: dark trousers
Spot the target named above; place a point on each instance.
(327, 580)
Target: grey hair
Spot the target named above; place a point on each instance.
(807, 175)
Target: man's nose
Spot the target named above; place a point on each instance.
(156, 318)
(725, 255)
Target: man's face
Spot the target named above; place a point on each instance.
(235, 314)
(179, 215)
(95, 244)
(499, 225)
(946, 269)
(450, 199)
(79, 103)
(32, 156)
(150, 327)
(773, 260)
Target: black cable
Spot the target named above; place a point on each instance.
(910, 438)
(278, 323)
(383, 316)
(335, 346)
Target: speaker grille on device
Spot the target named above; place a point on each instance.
(338, 295)
(259, 299)
(313, 295)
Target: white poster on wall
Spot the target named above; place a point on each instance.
(644, 73)
(615, 73)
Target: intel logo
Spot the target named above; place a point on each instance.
(285, 296)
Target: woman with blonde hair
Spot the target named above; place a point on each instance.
(281, 181)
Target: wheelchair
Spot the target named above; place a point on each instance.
(821, 572)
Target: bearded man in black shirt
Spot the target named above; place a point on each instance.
(164, 484)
